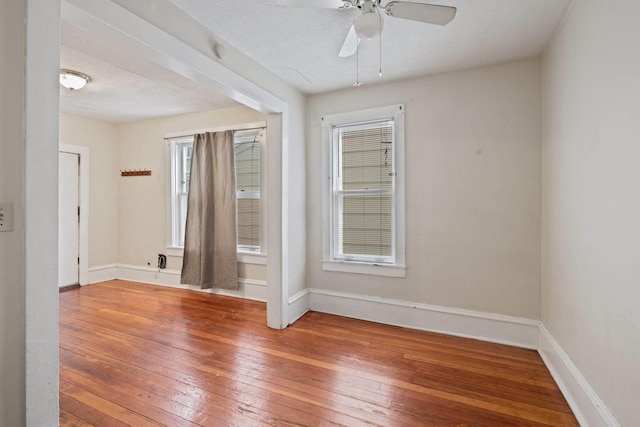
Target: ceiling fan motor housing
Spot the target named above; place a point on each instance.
(369, 24)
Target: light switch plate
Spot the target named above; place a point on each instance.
(6, 216)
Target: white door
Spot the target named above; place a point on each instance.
(68, 219)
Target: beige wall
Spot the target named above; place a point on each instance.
(102, 140)
(142, 207)
(472, 189)
(128, 216)
(591, 198)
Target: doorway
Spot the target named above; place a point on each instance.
(68, 219)
(73, 209)
(127, 25)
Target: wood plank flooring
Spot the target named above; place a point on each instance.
(142, 355)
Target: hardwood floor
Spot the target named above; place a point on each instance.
(143, 355)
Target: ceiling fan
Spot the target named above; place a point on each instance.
(370, 23)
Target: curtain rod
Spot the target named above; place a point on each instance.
(245, 127)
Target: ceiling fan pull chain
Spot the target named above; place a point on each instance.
(380, 57)
(357, 83)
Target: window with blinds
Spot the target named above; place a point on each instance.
(247, 158)
(363, 191)
(247, 167)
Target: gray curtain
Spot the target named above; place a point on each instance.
(210, 259)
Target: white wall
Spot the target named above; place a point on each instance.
(591, 198)
(41, 207)
(12, 334)
(142, 207)
(472, 189)
(297, 203)
(28, 178)
(102, 140)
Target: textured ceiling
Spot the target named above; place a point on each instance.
(302, 45)
(125, 86)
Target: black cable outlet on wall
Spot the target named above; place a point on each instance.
(162, 261)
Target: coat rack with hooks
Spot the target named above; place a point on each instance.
(135, 172)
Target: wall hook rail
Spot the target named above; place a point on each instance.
(135, 172)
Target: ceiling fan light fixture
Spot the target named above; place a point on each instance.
(368, 25)
(73, 80)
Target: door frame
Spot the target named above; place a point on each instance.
(139, 25)
(83, 195)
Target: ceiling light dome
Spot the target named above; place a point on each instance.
(73, 80)
(368, 25)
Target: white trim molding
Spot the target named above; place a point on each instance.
(248, 288)
(587, 406)
(239, 127)
(252, 258)
(390, 270)
(496, 328)
(83, 241)
(102, 273)
(243, 257)
(298, 305)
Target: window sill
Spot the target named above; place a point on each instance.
(243, 257)
(175, 251)
(252, 258)
(389, 270)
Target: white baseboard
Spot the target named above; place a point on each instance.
(150, 275)
(587, 406)
(298, 305)
(102, 273)
(248, 288)
(496, 328)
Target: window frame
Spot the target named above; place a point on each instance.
(393, 266)
(245, 254)
(176, 145)
(252, 194)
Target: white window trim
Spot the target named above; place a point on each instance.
(252, 258)
(174, 143)
(246, 257)
(248, 251)
(329, 122)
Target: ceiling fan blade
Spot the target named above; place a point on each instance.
(325, 4)
(350, 44)
(422, 12)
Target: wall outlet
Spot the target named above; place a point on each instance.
(6, 216)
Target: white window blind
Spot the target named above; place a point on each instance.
(247, 159)
(363, 195)
(363, 181)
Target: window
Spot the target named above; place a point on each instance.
(247, 158)
(248, 145)
(181, 149)
(364, 193)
